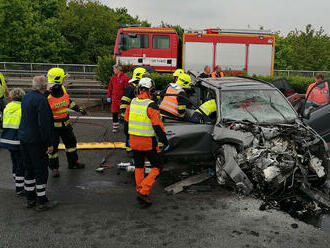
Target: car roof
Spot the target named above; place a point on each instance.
(236, 83)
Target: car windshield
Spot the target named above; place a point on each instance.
(256, 105)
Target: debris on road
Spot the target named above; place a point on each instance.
(126, 166)
(180, 186)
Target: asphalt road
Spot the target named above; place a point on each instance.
(100, 210)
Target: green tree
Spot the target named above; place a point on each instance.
(303, 50)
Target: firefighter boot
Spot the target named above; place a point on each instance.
(76, 165)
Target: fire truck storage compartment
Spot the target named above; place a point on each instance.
(260, 59)
(197, 55)
(231, 56)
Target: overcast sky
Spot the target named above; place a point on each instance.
(277, 15)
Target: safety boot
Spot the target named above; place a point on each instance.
(55, 173)
(31, 203)
(20, 193)
(77, 165)
(46, 206)
(144, 200)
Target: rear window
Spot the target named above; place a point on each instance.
(161, 41)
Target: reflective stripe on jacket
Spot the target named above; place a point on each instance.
(208, 107)
(139, 123)
(59, 105)
(12, 115)
(170, 103)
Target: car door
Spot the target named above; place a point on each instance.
(316, 110)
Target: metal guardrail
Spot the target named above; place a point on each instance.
(287, 73)
(18, 69)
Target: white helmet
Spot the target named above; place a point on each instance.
(147, 83)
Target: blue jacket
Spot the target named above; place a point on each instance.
(37, 125)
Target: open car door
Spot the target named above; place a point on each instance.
(316, 110)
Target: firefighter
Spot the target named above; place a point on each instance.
(130, 93)
(209, 108)
(217, 72)
(9, 137)
(36, 133)
(176, 74)
(130, 90)
(117, 85)
(175, 100)
(319, 94)
(3, 91)
(59, 101)
(142, 124)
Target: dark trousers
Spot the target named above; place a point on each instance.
(153, 156)
(70, 142)
(2, 106)
(115, 117)
(17, 158)
(36, 172)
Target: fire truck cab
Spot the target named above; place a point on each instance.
(146, 46)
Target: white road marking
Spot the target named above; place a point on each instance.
(91, 117)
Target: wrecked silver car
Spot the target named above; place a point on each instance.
(258, 143)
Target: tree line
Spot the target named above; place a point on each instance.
(81, 31)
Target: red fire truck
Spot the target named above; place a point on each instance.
(236, 51)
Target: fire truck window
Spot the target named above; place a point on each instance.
(161, 42)
(129, 41)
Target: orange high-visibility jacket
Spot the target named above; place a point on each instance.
(59, 105)
(319, 95)
(214, 74)
(170, 103)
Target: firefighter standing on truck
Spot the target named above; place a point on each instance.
(59, 101)
(142, 124)
(175, 100)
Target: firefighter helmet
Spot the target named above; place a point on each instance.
(184, 80)
(56, 76)
(147, 83)
(178, 72)
(137, 74)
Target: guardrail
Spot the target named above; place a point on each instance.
(18, 69)
(287, 73)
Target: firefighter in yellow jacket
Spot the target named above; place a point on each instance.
(59, 101)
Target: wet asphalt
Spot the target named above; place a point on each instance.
(100, 210)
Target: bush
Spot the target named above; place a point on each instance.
(104, 69)
(299, 84)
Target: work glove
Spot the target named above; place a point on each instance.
(109, 99)
(166, 148)
(83, 112)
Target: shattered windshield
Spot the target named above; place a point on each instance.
(256, 105)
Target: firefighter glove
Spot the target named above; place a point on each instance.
(83, 112)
